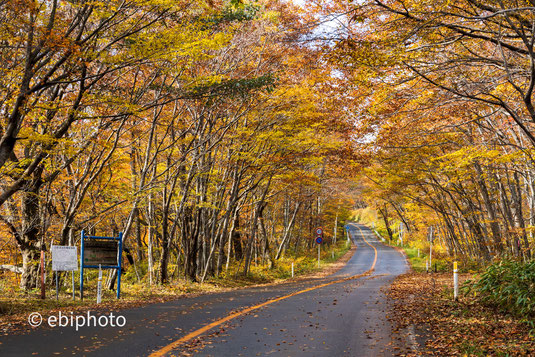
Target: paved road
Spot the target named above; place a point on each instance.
(340, 315)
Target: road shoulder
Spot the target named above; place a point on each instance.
(426, 321)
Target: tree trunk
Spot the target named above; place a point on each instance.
(236, 239)
(494, 226)
(384, 214)
(30, 244)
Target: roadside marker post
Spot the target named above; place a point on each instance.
(99, 285)
(292, 269)
(455, 282)
(431, 239)
(431, 254)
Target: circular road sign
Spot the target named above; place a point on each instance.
(319, 240)
(319, 231)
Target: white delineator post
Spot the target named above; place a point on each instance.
(335, 226)
(455, 282)
(431, 256)
(431, 247)
(99, 285)
(292, 269)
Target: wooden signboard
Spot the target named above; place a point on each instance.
(100, 252)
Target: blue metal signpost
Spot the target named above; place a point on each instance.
(119, 259)
(319, 240)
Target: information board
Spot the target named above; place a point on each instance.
(104, 252)
(64, 258)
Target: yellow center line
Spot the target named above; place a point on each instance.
(375, 249)
(198, 332)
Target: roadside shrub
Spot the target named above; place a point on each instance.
(508, 286)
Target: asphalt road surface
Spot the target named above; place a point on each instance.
(340, 315)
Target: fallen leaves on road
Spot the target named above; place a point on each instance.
(426, 321)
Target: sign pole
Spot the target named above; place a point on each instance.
(119, 261)
(319, 240)
(73, 298)
(82, 265)
(57, 287)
